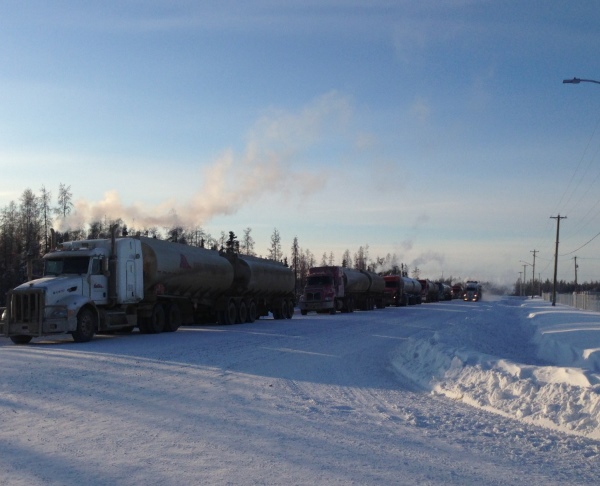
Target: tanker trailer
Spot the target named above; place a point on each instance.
(373, 297)
(181, 284)
(412, 291)
(260, 286)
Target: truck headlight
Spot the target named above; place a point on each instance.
(55, 312)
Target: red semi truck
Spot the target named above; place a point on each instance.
(332, 288)
(401, 291)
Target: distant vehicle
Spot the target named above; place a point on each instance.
(401, 291)
(472, 292)
(444, 291)
(429, 291)
(332, 288)
(457, 291)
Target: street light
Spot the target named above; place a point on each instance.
(577, 81)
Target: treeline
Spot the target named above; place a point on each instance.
(28, 225)
(562, 287)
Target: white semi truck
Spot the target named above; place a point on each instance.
(118, 284)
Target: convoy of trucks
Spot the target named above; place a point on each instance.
(118, 284)
(332, 288)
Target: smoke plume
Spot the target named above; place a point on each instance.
(276, 149)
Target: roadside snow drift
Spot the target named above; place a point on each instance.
(550, 377)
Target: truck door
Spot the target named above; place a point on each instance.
(98, 282)
(130, 281)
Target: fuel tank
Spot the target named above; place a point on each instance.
(187, 271)
(376, 282)
(356, 281)
(259, 276)
(411, 286)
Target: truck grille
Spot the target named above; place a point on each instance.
(313, 296)
(25, 308)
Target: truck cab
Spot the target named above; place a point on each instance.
(324, 285)
(81, 280)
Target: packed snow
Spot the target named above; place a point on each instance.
(502, 391)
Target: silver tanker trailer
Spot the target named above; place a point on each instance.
(118, 284)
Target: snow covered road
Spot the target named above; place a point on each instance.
(316, 400)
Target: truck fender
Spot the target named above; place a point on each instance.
(74, 304)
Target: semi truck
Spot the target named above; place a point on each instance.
(444, 291)
(457, 291)
(332, 288)
(401, 291)
(472, 291)
(117, 284)
(429, 291)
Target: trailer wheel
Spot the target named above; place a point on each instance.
(86, 326)
(251, 317)
(228, 315)
(21, 339)
(303, 312)
(242, 313)
(289, 309)
(157, 320)
(173, 318)
(279, 310)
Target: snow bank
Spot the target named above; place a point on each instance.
(555, 385)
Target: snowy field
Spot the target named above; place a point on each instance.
(503, 391)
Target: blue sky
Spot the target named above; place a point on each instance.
(439, 131)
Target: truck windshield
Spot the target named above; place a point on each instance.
(391, 284)
(319, 280)
(71, 265)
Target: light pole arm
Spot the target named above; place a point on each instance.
(578, 80)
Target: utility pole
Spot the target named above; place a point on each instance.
(525, 279)
(533, 274)
(557, 218)
(520, 284)
(576, 267)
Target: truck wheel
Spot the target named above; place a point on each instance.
(173, 320)
(251, 312)
(157, 320)
(86, 326)
(242, 313)
(21, 339)
(303, 312)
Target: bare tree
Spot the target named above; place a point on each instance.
(247, 245)
(295, 262)
(361, 258)
(331, 259)
(45, 210)
(347, 259)
(65, 200)
(275, 249)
